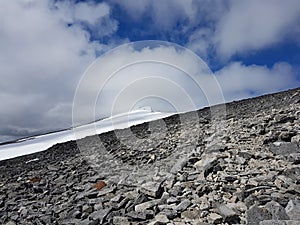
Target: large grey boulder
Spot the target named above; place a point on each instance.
(293, 209)
(257, 214)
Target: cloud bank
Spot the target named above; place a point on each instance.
(47, 45)
(44, 51)
(253, 25)
(227, 27)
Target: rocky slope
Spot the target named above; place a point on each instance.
(239, 167)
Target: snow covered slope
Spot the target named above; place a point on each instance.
(43, 142)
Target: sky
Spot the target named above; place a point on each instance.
(251, 47)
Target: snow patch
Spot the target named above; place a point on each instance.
(43, 142)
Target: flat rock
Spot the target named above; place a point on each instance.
(143, 215)
(183, 205)
(214, 148)
(191, 214)
(105, 191)
(146, 205)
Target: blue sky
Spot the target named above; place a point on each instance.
(252, 47)
(286, 49)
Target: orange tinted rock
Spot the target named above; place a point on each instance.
(99, 185)
(34, 180)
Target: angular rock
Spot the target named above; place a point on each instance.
(87, 208)
(152, 188)
(292, 222)
(105, 191)
(99, 185)
(204, 204)
(294, 158)
(215, 148)
(272, 222)
(120, 220)
(179, 165)
(100, 215)
(144, 215)
(296, 139)
(89, 194)
(170, 213)
(257, 214)
(227, 213)
(183, 205)
(293, 209)
(207, 162)
(146, 205)
(164, 197)
(172, 200)
(245, 172)
(117, 198)
(239, 206)
(161, 218)
(122, 203)
(191, 214)
(165, 206)
(276, 210)
(76, 214)
(140, 198)
(214, 218)
(279, 222)
(154, 223)
(284, 148)
(10, 223)
(286, 136)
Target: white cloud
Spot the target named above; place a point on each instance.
(90, 12)
(240, 81)
(253, 25)
(128, 75)
(200, 42)
(46, 48)
(164, 14)
(42, 60)
(167, 14)
(224, 28)
(95, 16)
(174, 76)
(134, 8)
